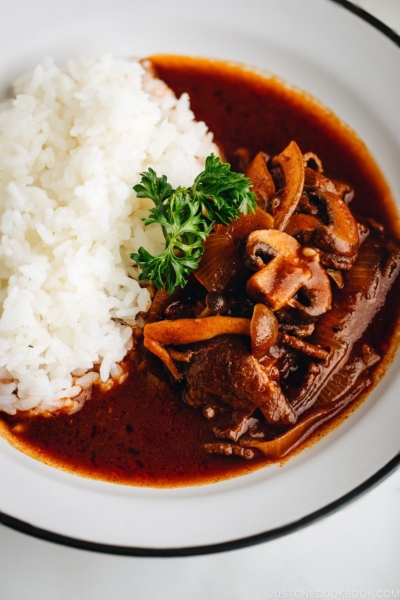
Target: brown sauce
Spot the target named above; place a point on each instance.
(140, 432)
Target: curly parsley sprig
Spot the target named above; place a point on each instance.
(187, 216)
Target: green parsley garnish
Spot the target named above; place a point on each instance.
(187, 216)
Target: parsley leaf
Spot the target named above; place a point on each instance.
(187, 216)
(222, 193)
(151, 186)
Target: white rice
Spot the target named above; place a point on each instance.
(73, 142)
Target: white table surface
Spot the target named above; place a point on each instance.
(354, 553)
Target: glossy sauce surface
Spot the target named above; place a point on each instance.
(140, 432)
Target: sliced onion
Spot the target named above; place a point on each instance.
(355, 306)
(245, 224)
(333, 401)
(220, 264)
(282, 445)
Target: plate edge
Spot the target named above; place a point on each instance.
(260, 538)
(371, 19)
(370, 483)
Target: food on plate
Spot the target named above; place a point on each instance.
(186, 216)
(73, 142)
(253, 313)
(271, 340)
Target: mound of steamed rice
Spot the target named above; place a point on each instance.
(73, 142)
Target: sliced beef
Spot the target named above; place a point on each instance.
(224, 373)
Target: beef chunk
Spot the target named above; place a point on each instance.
(224, 373)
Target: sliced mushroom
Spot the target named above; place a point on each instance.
(291, 269)
(312, 162)
(260, 177)
(340, 234)
(276, 284)
(281, 274)
(269, 244)
(302, 226)
(314, 180)
(292, 166)
(263, 330)
(187, 331)
(314, 298)
(336, 276)
(335, 261)
(334, 231)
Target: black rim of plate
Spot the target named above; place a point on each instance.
(266, 536)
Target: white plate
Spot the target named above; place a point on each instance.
(354, 69)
